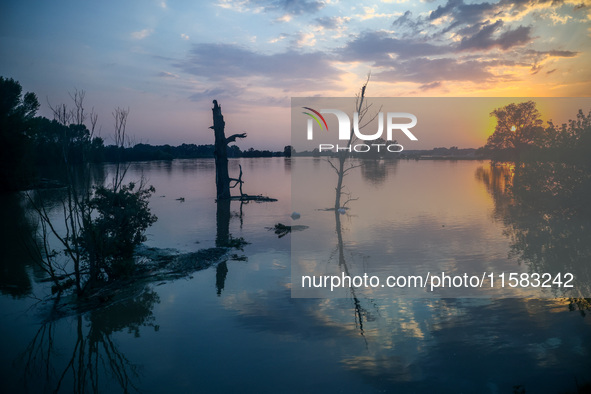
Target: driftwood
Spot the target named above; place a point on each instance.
(282, 230)
(248, 197)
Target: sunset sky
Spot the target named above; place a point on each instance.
(167, 60)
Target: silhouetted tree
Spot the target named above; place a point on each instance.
(341, 168)
(516, 129)
(222, 177)
(288, 151)
(101, 224)
(16, 113)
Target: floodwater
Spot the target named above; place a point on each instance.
(235, 327)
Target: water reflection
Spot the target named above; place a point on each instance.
(373, 168)
(545, 210)
(91, 357)
(249, 323)
(16, 232)
(377, 171)
(287, 163)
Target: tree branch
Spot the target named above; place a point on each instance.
(233, 137)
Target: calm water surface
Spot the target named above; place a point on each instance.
(234, 327)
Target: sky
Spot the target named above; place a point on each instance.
(167, 60)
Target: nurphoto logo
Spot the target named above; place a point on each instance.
(393, 124)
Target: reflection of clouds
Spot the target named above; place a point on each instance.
(471, 343)
(408, 344)
(394, 367)
(424, 217)
(276, 311)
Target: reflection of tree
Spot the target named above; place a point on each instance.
(342, 168)
(224, 239)
(95, 355)
(360, 312)
(497, 179)
(15, 232)
(221, 272)
(375, 171)
(545, 209)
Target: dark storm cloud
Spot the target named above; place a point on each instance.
(218, 62)
(483, 39)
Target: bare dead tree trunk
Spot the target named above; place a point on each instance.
(341, 169)
(222, 177)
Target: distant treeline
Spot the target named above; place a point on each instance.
(30, 143)
(143, 152)
(436, 153)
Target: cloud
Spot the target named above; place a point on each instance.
(281, 37)
(404, 20)
(304, 39)
(291, 7)
(371, 13)
(429, 86)
(294, 7)
(427, 71)
(463, 13)
(285, 18)
(217, 93)
(332, 23)
(483, 39)
(140, 35)
(166, 74)
(553, 53)
(378, 45)
(221, 62)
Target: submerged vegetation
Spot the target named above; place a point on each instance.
(93, 242)
(88, 246)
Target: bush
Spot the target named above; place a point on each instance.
(122, 217)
